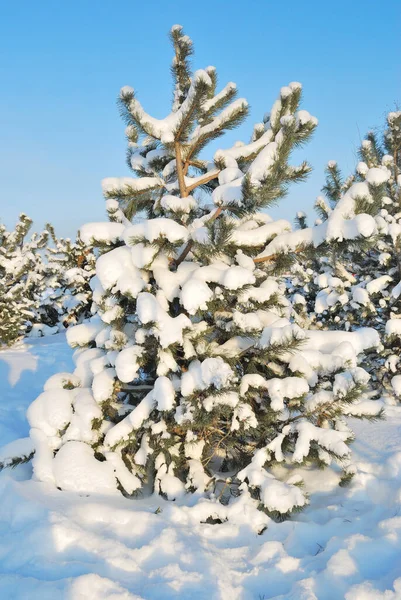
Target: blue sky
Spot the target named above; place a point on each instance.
(62, 65)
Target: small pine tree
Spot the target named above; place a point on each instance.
(69, 269)
(359, 284)
(190, 372)
(21, 279)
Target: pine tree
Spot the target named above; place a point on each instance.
(379, 274)
(21, 278)
(322, 277)
(359, 284)
(190, 374)
(69, 269)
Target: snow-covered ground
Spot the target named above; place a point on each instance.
(57, 545)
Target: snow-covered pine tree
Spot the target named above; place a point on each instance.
(21, 278)
(189, 371)
(70, 265)
(378, 291)
(357, 285)
(321, 277)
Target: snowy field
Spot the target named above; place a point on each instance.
(56, 545)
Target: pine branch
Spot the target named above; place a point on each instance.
(206, 179)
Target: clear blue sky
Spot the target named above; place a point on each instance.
(62, 65)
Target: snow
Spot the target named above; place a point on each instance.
(260, 235)
(396, 384)
(290, 387)
(244, 414)
(176, 204)
(116, 269)
(238, 106)
(280, 332)
(169, 485)
(51, 411)
(361, 296)
(164, 129)
(225, 399)
(252, 381)
(229, 174)
(76, 469)
(152, 229)
(194, 448)
(85, 410)
(377, 176)
(396, 291)
(169, 330)
(195, 293)
(393, 327)
(267, 289)
(378, 285)
(247, 322)
(161, 396)
(327, 341)
(298, 299)
(346, 544)
(230, 192)
(107, 233)
(164, 393)
(342, 223)
(275, 494)
(208, 105)
(329, 439)
(127, 364)
(303, 116)
(230, 156)
(123, 185)
(260, 167)
(142, 255)
(211, 372)
(103, 385)
(61, 380)
(245, 261)
(362, 168)
(22, 447)
(328, 298)
(82, 334)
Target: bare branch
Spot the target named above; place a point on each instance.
(202, 181)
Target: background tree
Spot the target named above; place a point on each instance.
(69, 269)
(21, 278)
(358, 285)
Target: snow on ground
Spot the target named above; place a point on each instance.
(23, 372)
(56, 545)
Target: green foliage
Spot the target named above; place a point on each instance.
(333, 188)
(180, 68)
